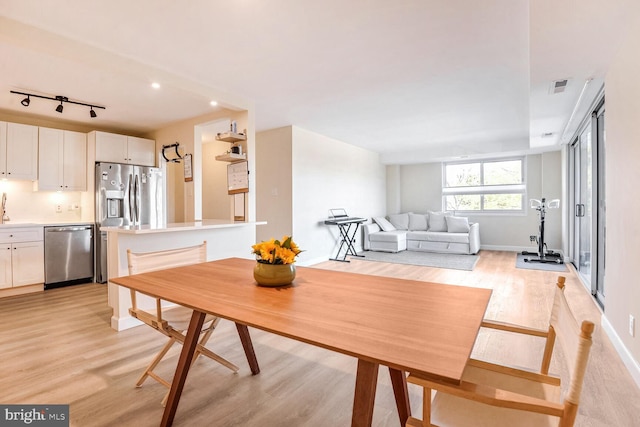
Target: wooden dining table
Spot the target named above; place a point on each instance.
(424, 328)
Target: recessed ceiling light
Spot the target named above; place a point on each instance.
(213, 103)
(155, 85)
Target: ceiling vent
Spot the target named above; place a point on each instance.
(558, 86)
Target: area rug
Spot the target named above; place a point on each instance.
(520, 263)
(427, 259)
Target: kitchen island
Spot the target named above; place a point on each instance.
(224, 239)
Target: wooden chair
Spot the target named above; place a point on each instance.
(495, 395)
(172, 320)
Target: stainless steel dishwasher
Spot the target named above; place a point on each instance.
(68, 255)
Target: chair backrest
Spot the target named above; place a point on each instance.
(151, 261)
(575, 341)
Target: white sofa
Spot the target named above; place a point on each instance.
(432, 232)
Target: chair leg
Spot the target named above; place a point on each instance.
(205, 337)
(426, 407)
(217, 358)
(155, 362)
(201, 349)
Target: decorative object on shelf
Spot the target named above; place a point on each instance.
(62, 99)
(177, 157)
(275, 258)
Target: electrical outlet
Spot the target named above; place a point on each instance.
(532, 238)
(58, 208)
(632, 325)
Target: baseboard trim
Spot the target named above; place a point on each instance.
(122, 323)
(503, 248)
(632, 366)
(314, 261)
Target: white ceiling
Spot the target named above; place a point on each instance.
(416, 80)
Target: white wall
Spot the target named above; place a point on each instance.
(421, 191)
(622, 287)
(274, 198)
(328, 173)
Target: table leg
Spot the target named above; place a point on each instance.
(245, 338)
(365, 394)
(401, 393)
(184, 363)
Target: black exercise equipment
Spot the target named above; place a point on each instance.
(543, 255)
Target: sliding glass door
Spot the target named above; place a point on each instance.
(587, 216)
(582, 204)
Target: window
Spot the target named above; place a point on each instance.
(485, 186)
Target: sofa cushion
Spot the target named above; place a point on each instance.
(400, 221)
(384, 224)
(388, 236)
(457, 224)
(437, 221)
(418, 222)
(438, 236)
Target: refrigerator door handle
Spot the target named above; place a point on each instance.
(136, 199)
(130, 201)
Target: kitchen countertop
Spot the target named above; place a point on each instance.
(180, 226)
(12, 224)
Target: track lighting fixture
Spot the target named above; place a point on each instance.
(26, 101)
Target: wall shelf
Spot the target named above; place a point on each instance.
(231, 157)
(231, 137)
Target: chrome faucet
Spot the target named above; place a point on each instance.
(5, 217)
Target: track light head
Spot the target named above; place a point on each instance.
(92, 113)
(59, 107)
(25, 101)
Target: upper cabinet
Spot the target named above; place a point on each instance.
(116, 148)
(63, 160)
(18, 151)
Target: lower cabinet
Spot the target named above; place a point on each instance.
(21, 262)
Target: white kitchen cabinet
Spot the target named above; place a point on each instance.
(19, 152)
(27, 263)
(116, 148)
(5, 266)
(21, 257)
(141, 151)
(63, 160)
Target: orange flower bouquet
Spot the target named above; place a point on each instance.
(276, 251)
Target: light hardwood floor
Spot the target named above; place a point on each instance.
(57, 347)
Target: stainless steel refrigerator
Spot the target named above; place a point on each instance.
(126, 195)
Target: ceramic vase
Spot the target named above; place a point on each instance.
(274, 274)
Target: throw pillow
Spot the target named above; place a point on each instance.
(417, 222)
(400, 221)
(437, 221)
(457, 224)
(384, 224)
